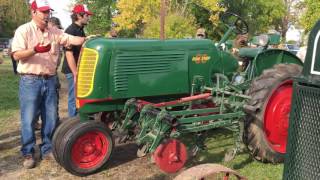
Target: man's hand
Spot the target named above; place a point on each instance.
(42, 48)
(74, 79)
(92, 36)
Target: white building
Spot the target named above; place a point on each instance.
(294, 34)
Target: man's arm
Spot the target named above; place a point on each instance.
(67, 40)
(39, 48)
(19, 48)
(23, 54)
(71, 62)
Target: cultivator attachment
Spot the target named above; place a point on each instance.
(158, 126)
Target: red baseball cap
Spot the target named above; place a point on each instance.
(41, 5)
(81, 8)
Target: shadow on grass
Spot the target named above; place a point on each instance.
(10, 140)
(10, 134)
(11, 163)
(160, 177)
(122, 154)
(243, 163)
(218, 142)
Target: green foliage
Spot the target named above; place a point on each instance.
(139, 17)
(13, 13)
(177, 26)
(260, 15)
(311, 15)
(101, 21)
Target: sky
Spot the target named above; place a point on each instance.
(61, 11)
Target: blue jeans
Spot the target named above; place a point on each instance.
(37, 94)
(72, 110)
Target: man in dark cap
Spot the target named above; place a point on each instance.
(80, 18)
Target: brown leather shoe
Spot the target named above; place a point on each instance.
(29, 162)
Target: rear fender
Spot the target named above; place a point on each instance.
(268, 58)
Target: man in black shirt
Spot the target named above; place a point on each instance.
(80, 17)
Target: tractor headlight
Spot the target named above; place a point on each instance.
(263, 40)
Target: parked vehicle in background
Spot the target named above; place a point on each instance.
(292, 48)
(5, 52)
(4, 43)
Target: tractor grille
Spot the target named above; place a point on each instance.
(134, 63)
(303, 149)
(86, 71)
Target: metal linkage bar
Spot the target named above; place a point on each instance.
(195, 111)
(183, 100)
(221, 91)
(210, 117)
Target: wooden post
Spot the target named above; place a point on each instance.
(162, 19)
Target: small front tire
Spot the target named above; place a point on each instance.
(86, 148)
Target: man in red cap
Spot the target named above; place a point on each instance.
(80, 17)
(36, 47)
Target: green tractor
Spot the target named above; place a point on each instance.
(156, 91)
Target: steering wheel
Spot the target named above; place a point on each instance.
(234, 21)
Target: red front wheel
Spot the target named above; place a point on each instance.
(86, 148)
(170, 156)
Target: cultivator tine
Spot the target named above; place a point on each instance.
(236, 132)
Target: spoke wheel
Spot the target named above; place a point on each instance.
(170, 156)
(209, 171)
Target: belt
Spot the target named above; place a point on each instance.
(40, 76)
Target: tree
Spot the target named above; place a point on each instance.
(177, 26)
(101, 21)
(260, 15)
(311, 15)
(290, 16)
(12, 14)
(141, 17)
(133, 15)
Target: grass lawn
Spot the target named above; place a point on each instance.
(219, 142)
(9, 88)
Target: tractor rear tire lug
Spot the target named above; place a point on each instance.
(274, 80)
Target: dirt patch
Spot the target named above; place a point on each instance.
(123, 164)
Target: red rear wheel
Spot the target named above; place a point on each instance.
(170, 156)
(267, 120)
(276, 117)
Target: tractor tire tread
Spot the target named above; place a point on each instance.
(260, 90)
